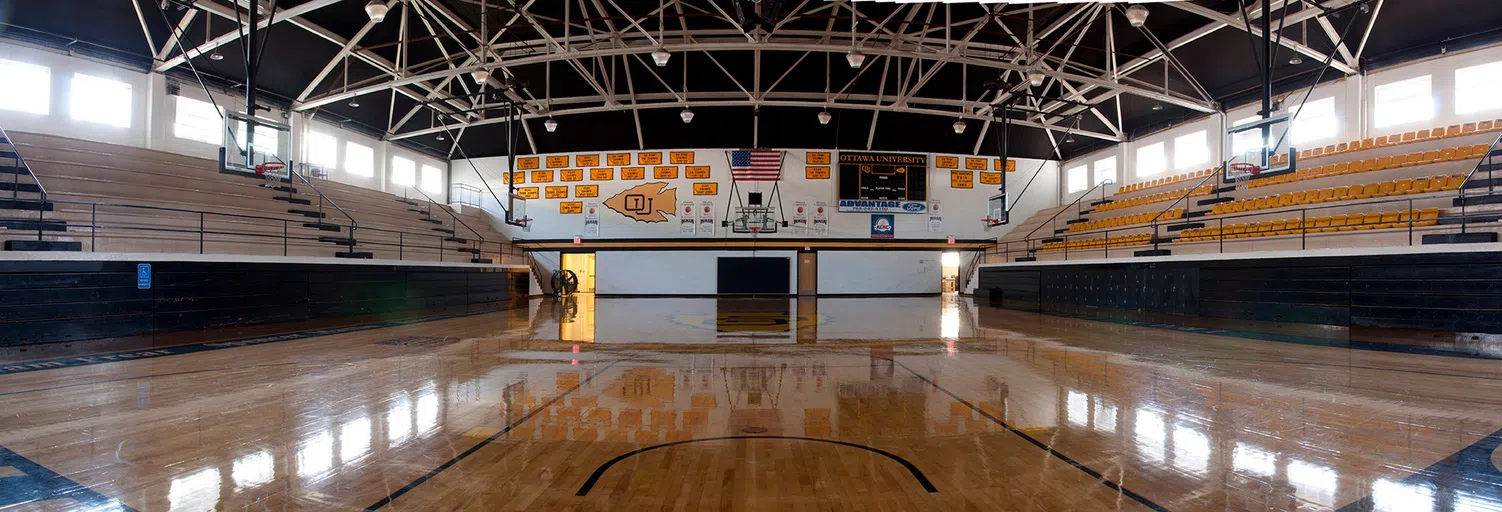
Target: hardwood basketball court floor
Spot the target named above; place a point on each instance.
(918, 403)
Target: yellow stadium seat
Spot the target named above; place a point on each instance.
(1428, 217)
(1384, 162)
(1371, 220)
(1339, 223)
(1421, 135)
(1342, 147)
(1401, 187)
(1468, 128)
(1321, 224)
(1388, 220)
(1454, 182)
(1409, 137)
(1452, 131)
(1325, 195)
(1380, 141)
(1364, 192)
(1298, 197)
(1341, 194)
(1384, 189)
(1430, 157)
(1277, 227)
(1330, 150)
(1283, 200)
(1447, 155)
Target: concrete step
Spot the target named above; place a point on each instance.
(43, 245)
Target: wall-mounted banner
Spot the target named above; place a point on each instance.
(961, 179)
(571, 207)
(1011, 165)
(517, 177)
(557, 161)
(556, 192)
(990, 178)
(686, 219)
(696, 172)
(975, 164)
(602, 174)
(818, 158)
(872, 206)
(816, 172)
(527, 163)
(680, 157)
(618, 159)
(947, 162)
(706, 189)
(883, 226)
(648, 202)
(706, 218)
(665, 172)
(800, 217)
(935, 217)
(633, 173)
(526, 192)
(586, 191)
(586, 160)
(542, 176)
(653, 158)
(571, 175)
(592, 219)
(821, 218)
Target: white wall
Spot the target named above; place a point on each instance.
(879, 272)
(154, 112)
(1354, 107)
(671, 272)
(962, 209)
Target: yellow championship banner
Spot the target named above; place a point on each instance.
(947, 162)
(527, 192)
(653, 158)
(1011, 165)
(557, 161)
(586, 160)
(680, 157)
(571, 175)
(602, 174)
(542, 176)
(990, 178)
(818, 158)
(960, 179)
(517, 177)
(665, 172)
(586, 191)
(618, 159)
(816, 173)
(696, 172)
(633, 173)
(557, 192)
(975, 164)
(571, 207)
(528, 163)
(706, 189)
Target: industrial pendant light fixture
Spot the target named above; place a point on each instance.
(207, 35)
(550, 124)
(824, 117)
(855, 58)
(1136, 15)
(660, 56)
(959, 126)
(686, 115)
(376, 9)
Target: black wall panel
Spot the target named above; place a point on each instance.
(765, 276)
(45, 302)
(1459, 292)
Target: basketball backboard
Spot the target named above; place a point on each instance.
(270, 141)
(754, 218)
(1253, 148)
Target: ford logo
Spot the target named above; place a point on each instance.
(913, 207)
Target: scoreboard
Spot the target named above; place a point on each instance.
(883, 182)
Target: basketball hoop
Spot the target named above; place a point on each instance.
(522, 221)
(1247, 168)
(755, 230)
(990, 222)
(266, 167)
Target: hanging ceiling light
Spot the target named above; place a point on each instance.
(959, 126)
(661, 56)
(1035, 78)
(687, 115)
(440, 137)
(1136, 15)
(855, 58)
(354, 103)
(1069, 138)
(1157, 106)
(376, 9)
(481, 75)
(216, 56)
(550, 124)
(1296, 60)
(824, 117)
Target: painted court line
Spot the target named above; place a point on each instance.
(38, 484)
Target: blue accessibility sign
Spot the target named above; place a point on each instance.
(143, 276)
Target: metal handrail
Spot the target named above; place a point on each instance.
(353, 224)
(432, 203)
(1490, 185)
(1222, 221)
(1074, 203)
(15, 191)
(1187, 194)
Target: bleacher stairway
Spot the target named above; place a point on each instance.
(26, 197)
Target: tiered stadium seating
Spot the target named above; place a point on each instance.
(1371, 220)
(1427, 134)
(1195, 176)
(1154, 198)
(1422, 185)
(125, 199)
(1128, 220)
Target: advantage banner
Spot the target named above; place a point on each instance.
(876, 206)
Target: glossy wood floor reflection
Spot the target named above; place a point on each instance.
(696, 404)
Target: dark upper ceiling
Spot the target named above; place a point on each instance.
(1221, 61)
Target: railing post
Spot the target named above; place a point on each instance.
(1303, 230)
(1411, 213)
(93, 227)
(440, 248)
(200, 232)
(1221, 235)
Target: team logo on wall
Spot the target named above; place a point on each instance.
(648, 202)
(883, 226)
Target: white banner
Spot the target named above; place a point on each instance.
(706, 218)
(592, 220)
(686, 219)
(800, 217)
(935, 217)
(821, 218)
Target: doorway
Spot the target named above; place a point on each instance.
(808, 273)
(949, 271)
(583, 265)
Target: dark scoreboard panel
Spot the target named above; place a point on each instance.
(883, 176)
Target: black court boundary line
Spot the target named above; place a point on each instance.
(600, 471)
(483, 443)
(1042, 446)
(59, 485)
(36, 365)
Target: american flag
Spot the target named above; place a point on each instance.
(755, 165)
